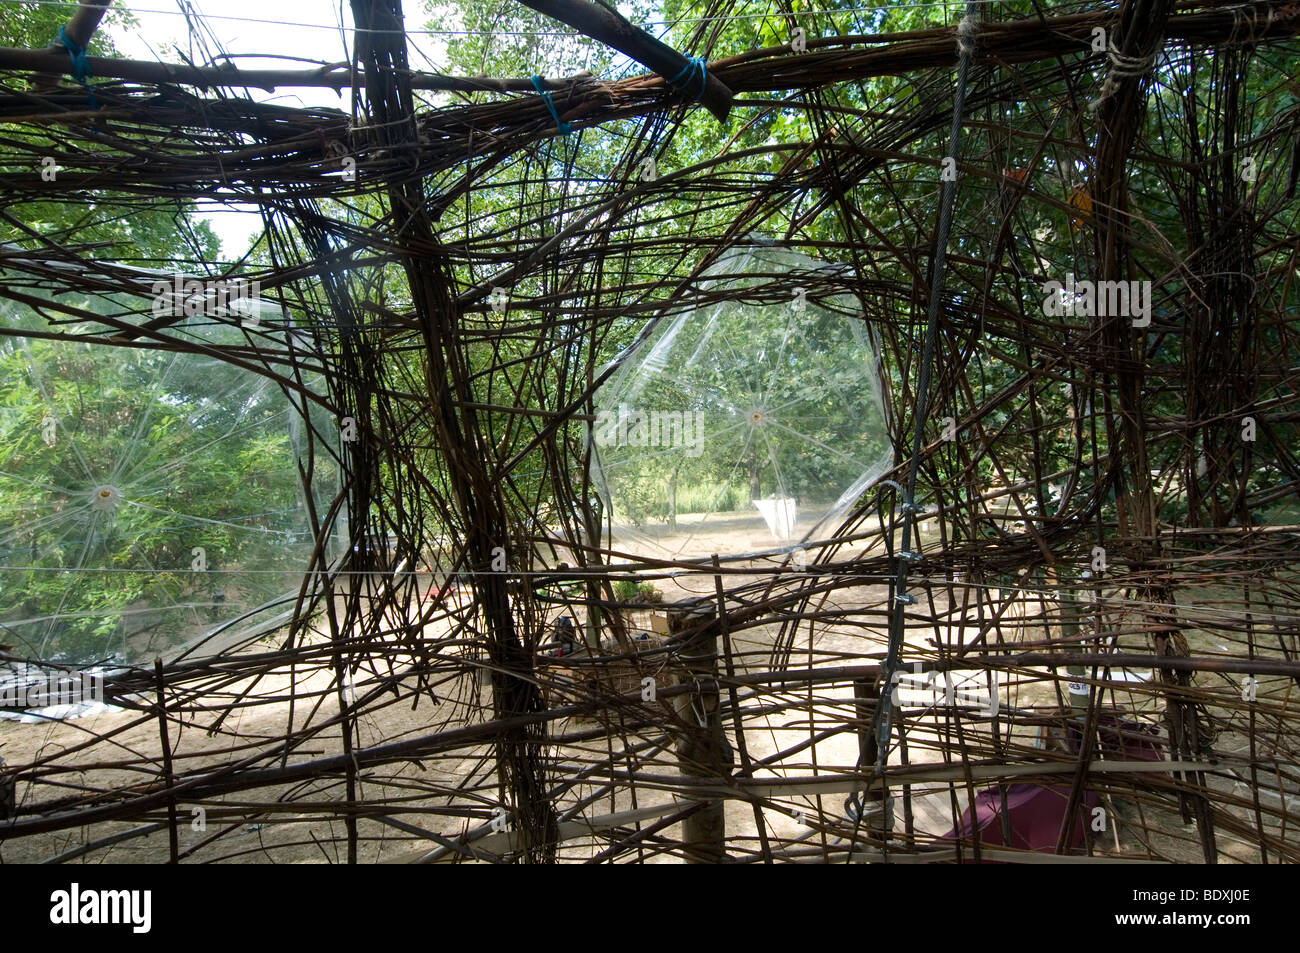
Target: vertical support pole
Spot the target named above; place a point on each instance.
(1071, 616)
(173, 838)
(8, 792)
(877, 809)
(733, 699)
(1072, 613)
(702, 748)
(591, 543)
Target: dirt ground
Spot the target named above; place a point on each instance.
(305, 828)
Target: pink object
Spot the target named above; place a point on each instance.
(1036, 814)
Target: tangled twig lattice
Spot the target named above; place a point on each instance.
(360, 493)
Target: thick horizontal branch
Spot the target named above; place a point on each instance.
(608, 27)
(336, 76)
(826, 61)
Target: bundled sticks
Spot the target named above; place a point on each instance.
(1106, 574)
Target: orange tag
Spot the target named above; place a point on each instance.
(1081, 199)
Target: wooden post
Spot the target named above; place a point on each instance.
(8, 792)
(590, 530)
(1072, 613)
(877, 814)
(173, 842)
(702, 748)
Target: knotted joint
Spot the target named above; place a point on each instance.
(694, 65)
(564, 128)
(80, 68)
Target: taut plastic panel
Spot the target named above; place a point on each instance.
(745, 425)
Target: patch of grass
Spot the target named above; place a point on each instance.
(630, 590)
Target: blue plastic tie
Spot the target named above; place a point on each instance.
(693, 64)
(564, 127)
(80, 68)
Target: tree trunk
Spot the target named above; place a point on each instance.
(672, 501)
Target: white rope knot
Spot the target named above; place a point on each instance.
(1122, 67)
(967, 27)
(1129, 67)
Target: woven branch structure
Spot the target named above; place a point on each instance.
(1100, 614)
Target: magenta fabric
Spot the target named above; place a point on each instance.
(1036, 814)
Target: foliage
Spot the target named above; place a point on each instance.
(630, 590)
(147, 496)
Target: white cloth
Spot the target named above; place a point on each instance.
(780, 515)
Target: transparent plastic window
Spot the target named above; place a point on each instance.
(148, 498)
(745, 425)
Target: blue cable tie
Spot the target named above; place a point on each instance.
(564, 127)
(693, 63)
(80, 68)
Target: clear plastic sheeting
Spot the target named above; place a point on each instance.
(148, 498)
(745, 425)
